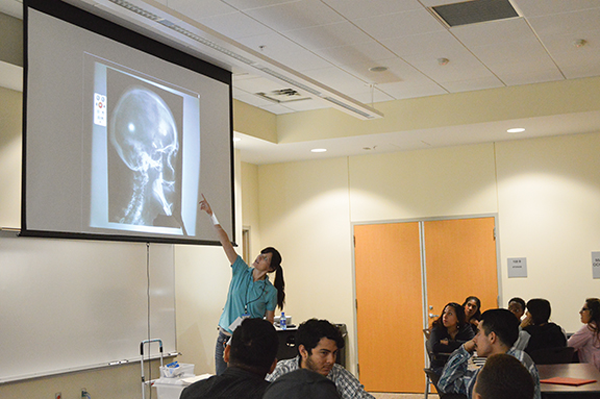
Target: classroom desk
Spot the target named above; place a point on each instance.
(573, 370)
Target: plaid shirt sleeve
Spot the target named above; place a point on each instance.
(530, 366)
(283, 367)
(347, 384)
(456, 378)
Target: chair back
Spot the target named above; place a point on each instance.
(553, 355)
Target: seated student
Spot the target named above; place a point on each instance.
(302, 384)
(249, 358)
(503, 377)
(472, 307)
(517, 307)
(448, 332)
(497, 332)
(586, 341)
(318, 342)
(537, 332)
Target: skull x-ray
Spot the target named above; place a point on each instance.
(144, 154)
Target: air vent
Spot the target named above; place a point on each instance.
(473, 12)
(283, 96)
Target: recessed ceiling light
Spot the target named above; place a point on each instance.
(515, 130)
(378, 69)
(318, 150)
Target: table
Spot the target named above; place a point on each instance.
(573, 370)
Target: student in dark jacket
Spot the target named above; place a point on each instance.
(538, 332)
(447, 334)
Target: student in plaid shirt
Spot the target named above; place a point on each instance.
(318, 342)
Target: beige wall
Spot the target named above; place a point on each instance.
(10, 157)
(545, 192)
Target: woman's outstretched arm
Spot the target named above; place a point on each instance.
(223, 238)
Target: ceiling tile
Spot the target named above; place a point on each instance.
(306, 105)
(235, 26)
(432, 42)
(526, 56)
(258, 84)
(482, 83)
(325, 36)
(526, 77)
(295, 15)
(398, 70)
(198, 9)
(277, 109)
(462, 65)
(368, 97)
(566, 24)
(356, 9)
(362, 53)
(272, 43)
(534, 8)
(302, 60)
(412, 89)
(337, 79)
(249, 4)
(566, 43)
(400, 24)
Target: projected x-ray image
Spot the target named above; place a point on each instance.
(145, 152)
(143, 132)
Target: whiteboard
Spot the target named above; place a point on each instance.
(72, 305)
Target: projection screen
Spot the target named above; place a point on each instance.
(122, 134)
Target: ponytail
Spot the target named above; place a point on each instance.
(279, 284)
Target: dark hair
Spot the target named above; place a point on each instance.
(593, 305)
(311, 331)
(503, 323)
(477, 315)
(520, 301)
(540, 310)
(275, 266)
(504, 377)
(254, 346)
(460, 315)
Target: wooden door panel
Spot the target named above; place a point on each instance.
(460, 261)
(389, 307)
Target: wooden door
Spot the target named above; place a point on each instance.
(460, 260)
(389, 313)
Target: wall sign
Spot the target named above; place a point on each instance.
(596, 264)
(517, 267)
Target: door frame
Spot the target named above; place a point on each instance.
(425, 315)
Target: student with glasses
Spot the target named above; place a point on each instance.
(251, 294)
(586, 341)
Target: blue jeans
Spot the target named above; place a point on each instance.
(220, 365)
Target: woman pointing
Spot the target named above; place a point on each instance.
(250, 294)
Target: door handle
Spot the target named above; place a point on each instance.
(431, 315)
